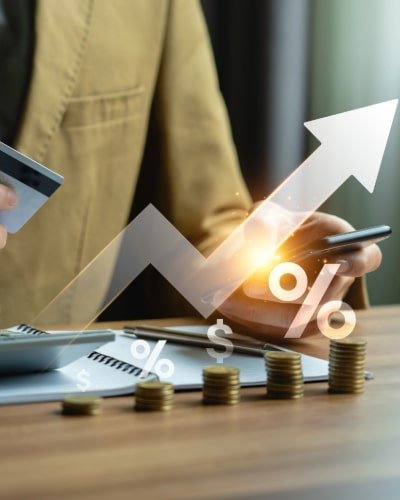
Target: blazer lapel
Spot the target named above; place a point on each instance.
(62, 29)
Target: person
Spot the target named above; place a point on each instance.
(115, 92)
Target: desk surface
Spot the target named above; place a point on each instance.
(323, 446)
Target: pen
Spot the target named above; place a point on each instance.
(189, 338)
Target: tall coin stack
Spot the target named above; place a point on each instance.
(347, 366)
(154, 396)
(285, 375)
(221, 385)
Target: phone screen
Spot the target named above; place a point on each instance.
(338, 243)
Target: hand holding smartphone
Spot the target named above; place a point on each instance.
(339, 243)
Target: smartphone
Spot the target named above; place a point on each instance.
(339, 243)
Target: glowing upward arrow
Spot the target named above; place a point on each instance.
(352, 143)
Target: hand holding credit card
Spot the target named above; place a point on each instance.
(33, 183)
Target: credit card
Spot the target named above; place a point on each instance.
(33, 183)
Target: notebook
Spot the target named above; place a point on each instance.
(111, 370)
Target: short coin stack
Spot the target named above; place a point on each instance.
(221, 385)
(347, 365)
(82, 405)
(285, 375)
(154, 396)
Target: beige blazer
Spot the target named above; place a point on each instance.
(99, 65)
(99, 68)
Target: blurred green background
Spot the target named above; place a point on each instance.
(284, 62)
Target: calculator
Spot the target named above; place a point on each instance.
(24, 349)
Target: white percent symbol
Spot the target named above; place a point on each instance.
(312, 300)
(164, 368)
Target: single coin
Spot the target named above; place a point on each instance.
(271, 395)
(153, 408)
(333, 358)
(346, 373)
(349, 387)
(356, 365)
(82, 400)
(341, 390)
(220, 383)
(285, 375)
(284, 361)
(140, 399)
(221, 370)
(223, 395)
(219, 401)
(278, 386)
(280, 355)
(284, 370)
(349, 343)
(154, 386)
(346, 357)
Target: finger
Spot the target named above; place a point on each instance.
(264, 314)
(8, 197)
(262, 321)
(3, 237)
(361, 262)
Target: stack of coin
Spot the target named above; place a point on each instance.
(154, 396)
(221, 385)
(84, 404)
(347, 365)
(285, 375)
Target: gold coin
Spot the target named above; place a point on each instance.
(221, 380)
(283, 361)
(341, 352)
(346, 381)
(140, 399)
(213, 383)
(284, 369)
(82, 400)
(282, 356)
(220, 401)
(81, 411)
(279, 383)
(341, 390)
(220, 370)
(224, 395)
(285, 375)
(347, 371)
(295, 370)
(342, 359)
(349, 343)
(155, 386)
(82, 405)
(153, 408)
(347, 364)
(349, 388)
(347, 374)
(346, 359)
(284, 396)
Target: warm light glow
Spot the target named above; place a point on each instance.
(260, 256)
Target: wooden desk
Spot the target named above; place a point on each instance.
(324, 446)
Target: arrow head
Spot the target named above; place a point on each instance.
(354, 141)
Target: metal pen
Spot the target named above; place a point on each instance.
(189, 338)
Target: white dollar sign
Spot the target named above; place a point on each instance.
(212, 335)
(84, 377)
